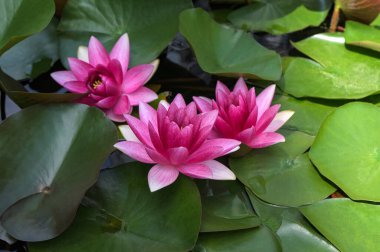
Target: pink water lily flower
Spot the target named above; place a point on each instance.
(105, 79)
(175, 139)
(245, 117)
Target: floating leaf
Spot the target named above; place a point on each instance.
(349, 225)
(226, 51)
(225, 207)
(150, 25)
(120, 214)
(50, 155)
(337, 72)
(19, 21)
(283, 174)
(279, 16)
(347, 150)
(362, 35)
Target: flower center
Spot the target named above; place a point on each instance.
(96, 83)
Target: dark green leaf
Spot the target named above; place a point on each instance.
(50, 155)
(121, 214)
(226, 51)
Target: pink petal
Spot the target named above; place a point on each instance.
(219, 171)
(178, 155)
(122, 106)
(155, 138)
(179, 101)
(114, 117)
(136, 77)
(220, 87)
(143, 94)
(63, 76)
(79, 68)
(140, 129)
(107, 102)
(241, 87)
(208, 118)
(120, 51)
(205, 153)
(148, 114)
(127, 133)
(134, 150)
(266, 139)
(247, 135)
(161, 175)
(264, 99)
(267, 118)
(224, 128)
(195, 170)
(225, 143)
(157, 156)
(203, 104)
(97, 54)
(280, 119)
(115, 68)
(78, 87)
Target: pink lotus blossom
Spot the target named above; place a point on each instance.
(105, 79)
(175, 139)
(245, 117)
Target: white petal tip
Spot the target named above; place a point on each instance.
(83, 53)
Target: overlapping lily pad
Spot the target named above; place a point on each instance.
(336, 72)
(347, 150)
(279, 16)
(226, 51)
(19, 21)
(283, 174)
(50, 155)
(150, 25)
(349, 225)
(362, 35)
(120, 214)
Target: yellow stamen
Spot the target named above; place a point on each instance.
(96, 84)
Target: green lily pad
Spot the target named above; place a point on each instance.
(283, 174)
(292, 229)
(50, 155)
(349, 225)
(249, 240)
(279, 16)
(226, 51)
(225, 207)
(151, 25)
(19, 21)
(362, 35)
(337, 72)
(24, 99)
(308, 115)
(347, 150)
(120, 214)
(24, 59)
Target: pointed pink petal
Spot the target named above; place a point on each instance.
(136, 77)
(208, 118)
(79, 68)
(240, 86)
(195, 170)
(179, 101)
(140, 129)
(224, 128)
(148, 114)
(266, 118)
(178, 155)
(120, 52)
(220, 87)
(122, 106)
(114, 117)
(78, 87)
(264, 99)
(143, 94)
(157, 156)
(63, 76)
(266, 139)
(97, 54)
(219, 171)
(155, 138)
(246, 135)
(280, 119)
(203, 104)
(225, 143)
(251, 99)
(107, 102)
(127, 133)
(115, 68)
(205, 153)
(134, 150)
(161, 175)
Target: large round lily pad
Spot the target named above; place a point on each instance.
(50, 155)
(120, 214)
(347, 150)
